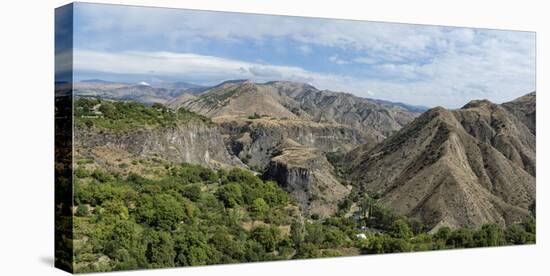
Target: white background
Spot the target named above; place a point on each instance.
(26, 136)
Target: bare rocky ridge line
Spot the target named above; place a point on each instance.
(460, 168)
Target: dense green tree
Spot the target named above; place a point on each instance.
(82, 210)
(108, 110)
(231, 250)
(114, 210)
(191, 247)
(124, 245)
(259, 207)
(530, 225)
(385, 244)
(345, 204)
(255, 251)
(189, 173)
(102, 176)
(460, 238)
(417, 227)
(314, 233)
(307, 250)
(297, 232)
(382, 218)
(516, 234)
(123, 260)
(159, 250)
(241, 176)
(162, 211)
(400, 229)
(168, 212)
(267, 236)
(366, 205)
(193, 192)
(333, 237)
(443, 233)
(230, 194)
(489, 235)
(145, 211)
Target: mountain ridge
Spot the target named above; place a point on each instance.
(282, 99)
(456, 168)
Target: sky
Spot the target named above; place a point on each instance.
(414, 64)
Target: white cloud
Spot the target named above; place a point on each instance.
(305, 49)
(337, 60)
(188, 66)
(451, 81)
(389, 41)
(365, 60)
(429, 65)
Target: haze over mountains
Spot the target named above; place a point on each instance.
(456, 168)
(141, 92)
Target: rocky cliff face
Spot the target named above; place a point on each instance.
(307, 175)
(258, 140)
(460, 168)
(191, 142)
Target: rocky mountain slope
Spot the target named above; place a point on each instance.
(294, 100)
(371, 116)
(141, 131)
(460, 168)
(524, 108)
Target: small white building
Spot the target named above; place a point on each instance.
(361, 236)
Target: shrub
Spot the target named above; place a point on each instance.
(400, 229)
(102, 176)
(192, 192)
(489, 235)
(267, 236)
(259, 207)
(230, 194)
(82, 210)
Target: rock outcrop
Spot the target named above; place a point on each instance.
(307, 175)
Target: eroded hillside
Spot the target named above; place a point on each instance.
(460, 168)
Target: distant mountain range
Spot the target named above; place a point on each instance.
(164, 92)
(139, 92)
